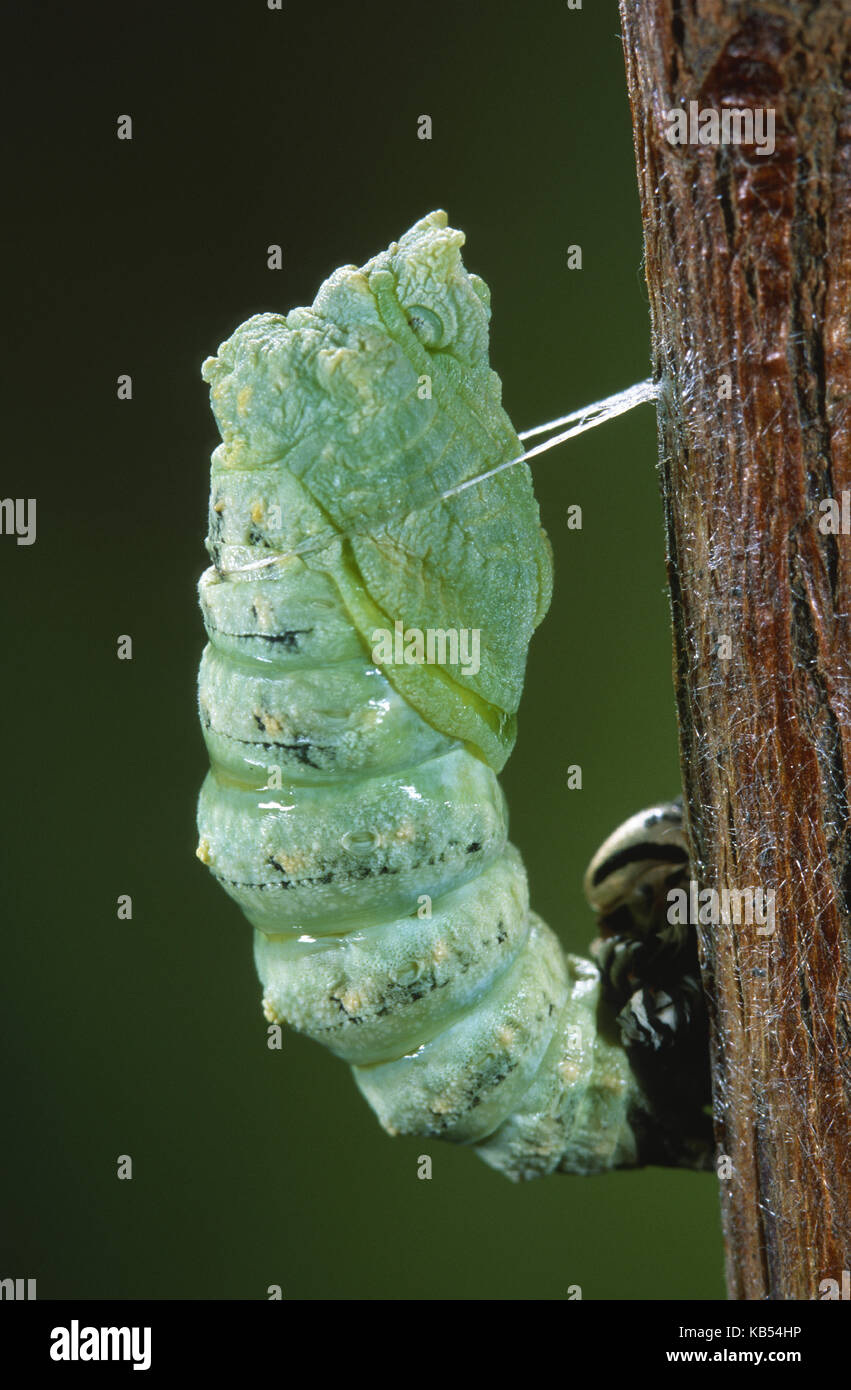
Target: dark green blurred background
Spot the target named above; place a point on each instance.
(146, 1038)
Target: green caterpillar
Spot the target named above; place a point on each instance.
(352, 808)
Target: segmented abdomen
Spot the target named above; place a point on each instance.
(392, 919)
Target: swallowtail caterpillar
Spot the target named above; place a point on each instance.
(352, 809)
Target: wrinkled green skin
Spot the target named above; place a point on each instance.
(469, 1024)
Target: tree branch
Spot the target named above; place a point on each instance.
(748, 261)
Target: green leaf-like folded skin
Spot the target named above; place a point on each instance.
(334, 395)
(352, 808)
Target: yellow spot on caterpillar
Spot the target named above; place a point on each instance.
(298, 861)
(243, 399)
(219, 507)
(265, 615)
(257, 512)
(270, 722)
(270, 1013)
(332, 360)
(405, 831)
(569, 1071)
(440, 952)
(506, 1036)
(290, 863)
(351, 1001)
(203, 852)
(613, 1083)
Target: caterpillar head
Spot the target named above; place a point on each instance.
(351, 365)
(422, 275)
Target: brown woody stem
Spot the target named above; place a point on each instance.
(748, 260)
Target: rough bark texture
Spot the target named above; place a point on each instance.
(748, 260)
